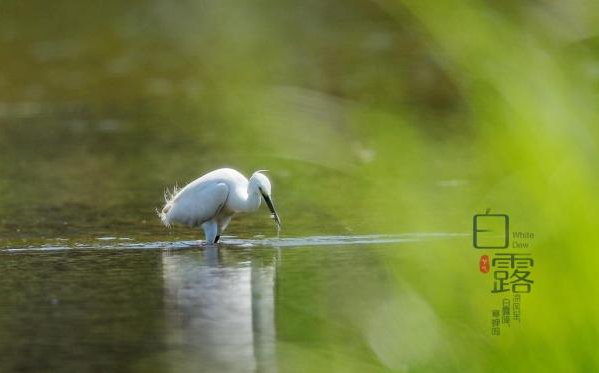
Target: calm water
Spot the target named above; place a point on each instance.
(120, 305)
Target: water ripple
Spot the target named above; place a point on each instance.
(124, 243)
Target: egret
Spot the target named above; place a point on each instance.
(213, 199)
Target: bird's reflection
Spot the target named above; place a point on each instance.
(220, 308)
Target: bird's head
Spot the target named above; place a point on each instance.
(259, 183)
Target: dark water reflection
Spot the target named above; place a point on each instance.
(80, 311)
(200, 309)
(187, 307)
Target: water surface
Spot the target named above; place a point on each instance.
(171, 306)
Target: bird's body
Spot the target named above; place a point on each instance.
(214, 198)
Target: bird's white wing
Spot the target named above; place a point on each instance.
(195, 204)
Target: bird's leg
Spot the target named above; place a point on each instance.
(222, 222)
(210, 231)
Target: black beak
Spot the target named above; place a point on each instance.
(275, 216)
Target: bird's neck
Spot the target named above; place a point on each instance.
(252, 202)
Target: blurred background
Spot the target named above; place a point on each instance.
(373, 117)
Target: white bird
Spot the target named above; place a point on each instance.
(213, 199)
